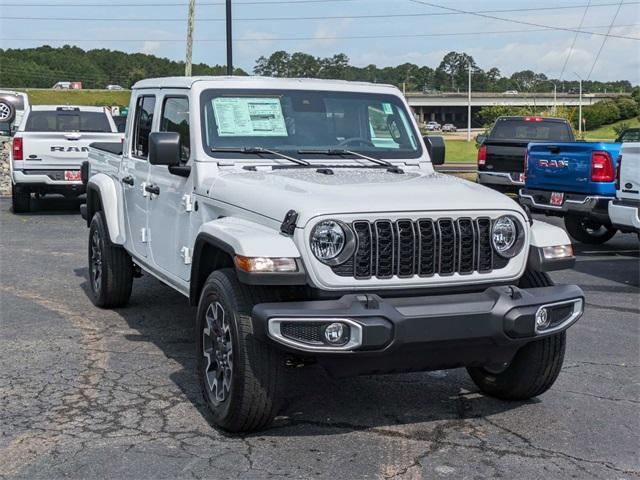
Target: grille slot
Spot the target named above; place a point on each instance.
(424, 247)
(308, 332)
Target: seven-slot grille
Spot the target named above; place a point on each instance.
(425, 247)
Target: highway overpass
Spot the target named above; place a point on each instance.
(452, 107)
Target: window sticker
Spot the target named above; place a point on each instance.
(249, 117)
(386, 107)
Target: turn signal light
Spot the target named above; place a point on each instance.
(18, 152)
(265, 264)
(602, 167)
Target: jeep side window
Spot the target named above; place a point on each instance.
(142, 126)
(175, 118)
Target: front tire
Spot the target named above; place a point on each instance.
(241, 378)
(110, 267)
(534, 368)
(588, 231)
(20, 199)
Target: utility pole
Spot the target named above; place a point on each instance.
(555, 98)
(579, 104)
(469, 108)
(187, 63)
(229, 41)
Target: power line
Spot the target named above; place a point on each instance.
(604, 40)
(270, 2)
(510, 20)
(323, 17)
(342, 37)
(573, 44)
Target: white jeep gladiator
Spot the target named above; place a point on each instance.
(49, 147)
(306, 222)
(624, 211)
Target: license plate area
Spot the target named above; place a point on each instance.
(72, 175)
(556, 199)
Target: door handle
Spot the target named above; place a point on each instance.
(128, 180)
(153, 189)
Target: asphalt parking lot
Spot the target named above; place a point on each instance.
(88, 393)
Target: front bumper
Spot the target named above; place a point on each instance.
(419, 333)
(594, 206)
(625, 214)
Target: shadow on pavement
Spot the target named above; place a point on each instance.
(53, 205)
(325, 406)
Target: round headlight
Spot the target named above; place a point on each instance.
(507, 237)
(332, 242)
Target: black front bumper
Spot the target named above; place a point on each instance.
(422, 333)
(593, 206)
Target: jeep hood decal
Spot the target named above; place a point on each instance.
(350, 190)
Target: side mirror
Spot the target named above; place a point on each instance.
(164, 148)
(480, 139)
(436, 149)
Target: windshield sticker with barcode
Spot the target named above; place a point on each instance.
(386, 107)
(249, 117)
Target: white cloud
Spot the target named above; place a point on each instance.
(150, 47)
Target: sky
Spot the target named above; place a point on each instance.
(397, 31)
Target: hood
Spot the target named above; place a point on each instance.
(273, 193)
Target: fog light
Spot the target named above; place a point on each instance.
(542, 319)
(336, 333)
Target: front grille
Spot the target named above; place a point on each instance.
(425, 247)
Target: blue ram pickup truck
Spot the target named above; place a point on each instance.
(574, 180)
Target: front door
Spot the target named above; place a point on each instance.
(170, 209)
(135, 172)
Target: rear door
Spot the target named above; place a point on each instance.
(60, 139)
(135, 170)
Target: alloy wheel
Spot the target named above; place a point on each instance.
(217, 348)
(96, 263)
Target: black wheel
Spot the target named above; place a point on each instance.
(110, 267)
(20, 199)
(534, 368)
(241, 378)
(589, 231)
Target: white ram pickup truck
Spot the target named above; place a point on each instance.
(305, 220)
(624, 211)
(49, 147)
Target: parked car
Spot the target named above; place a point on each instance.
(574, 180)
(13, 106)
(511, 92)
(114, 87)
(67, 86)
(449, 127)
(624, 210)
(432, 126)
(629, 135)
(501, 153)
(49, 147)
(279, 208)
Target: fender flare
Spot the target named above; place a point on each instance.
(236, 236)
(103, 193)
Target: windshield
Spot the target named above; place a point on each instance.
(292, 120)
(67, 121)
(510, 129)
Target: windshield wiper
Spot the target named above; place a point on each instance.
(342, 151)
(259, 150)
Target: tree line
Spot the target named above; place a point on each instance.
(43, 66)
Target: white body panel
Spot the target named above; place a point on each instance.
(624, 211)
(244, 209)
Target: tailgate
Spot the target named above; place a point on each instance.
(506, 156)
(58, 150)
(566, 167)
(630, 172)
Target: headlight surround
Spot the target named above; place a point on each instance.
(332, 242)
(507, 236)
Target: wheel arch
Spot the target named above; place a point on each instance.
(103, 194)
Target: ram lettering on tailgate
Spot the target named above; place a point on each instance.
(70, 149)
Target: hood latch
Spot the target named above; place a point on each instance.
(288, 226)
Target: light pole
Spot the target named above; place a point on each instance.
(469, 108)
(579, 104)
(555, 98)
(229, 40)
(187, 63)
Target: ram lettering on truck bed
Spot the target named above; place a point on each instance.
(501, 154)
(575, 181)
(305, 220)
(49, 147)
